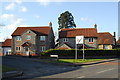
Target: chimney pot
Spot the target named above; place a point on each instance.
(50, 24)
(95, 26)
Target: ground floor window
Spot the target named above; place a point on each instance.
(18, 48)
(43, 48)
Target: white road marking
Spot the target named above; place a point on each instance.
(106, 70)
(81, 77)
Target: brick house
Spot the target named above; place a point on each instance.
(32, 40)
(5, 47)
(92, 39)
(118, 41)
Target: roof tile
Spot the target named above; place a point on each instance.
(105, 38)
(7, 43)
(87, 32)
(43, 30)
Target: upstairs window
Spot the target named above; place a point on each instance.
(18, 38)
(42, 38)
(90, 39)
(65, 39)
(28, 37)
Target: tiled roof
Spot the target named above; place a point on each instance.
(43, 30)
(105, 38)
(64, 46)
(118, 41)
(87, 32)
(7, 43)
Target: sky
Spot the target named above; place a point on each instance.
(86, 14)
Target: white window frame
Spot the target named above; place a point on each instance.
(43, 48)
(42, 38)
(27, 37)
(19, 48)
(91, 39)
(18, 38)
(65, 39)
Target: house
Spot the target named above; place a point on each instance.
(118, 41)
(92, 39)
(1, 49)
(5, 48)
(105, 40)
(32, 40)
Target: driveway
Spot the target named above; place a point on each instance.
(33, 69)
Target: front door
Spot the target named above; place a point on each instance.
(26, 51)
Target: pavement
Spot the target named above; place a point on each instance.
(49, 67)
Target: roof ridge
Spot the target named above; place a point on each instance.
(34, 27)
(104, 32)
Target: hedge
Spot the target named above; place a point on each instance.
(92, 52)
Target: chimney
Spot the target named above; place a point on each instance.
(114, 38)
(50, 24)
(95, 26)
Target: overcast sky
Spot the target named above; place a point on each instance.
(86, 14)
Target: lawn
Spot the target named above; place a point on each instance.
(71, 60)
(79, 60)
(6, 68)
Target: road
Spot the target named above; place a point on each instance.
(32, 68)
(102, 70)
(37, 70)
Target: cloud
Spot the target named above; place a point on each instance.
(23, 9)
(10, 6)
(86, 19)
(19, 1)
(37, 17)
(11, 21)
(44, 2)
(11, 18)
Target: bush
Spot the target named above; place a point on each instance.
(88, 52)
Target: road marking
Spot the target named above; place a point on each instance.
(81, 77)
(106, 70)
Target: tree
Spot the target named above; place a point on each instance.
(66, 20)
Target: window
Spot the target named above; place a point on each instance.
(90, 39)
(42, 38)
(28, 31)
(65, 39)
(43, 48)
(28, 37)
(17, 48)
(18, 38)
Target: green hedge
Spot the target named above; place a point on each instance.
(92, 52)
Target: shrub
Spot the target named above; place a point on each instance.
(88, 52)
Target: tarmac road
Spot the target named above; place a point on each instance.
(33, 69)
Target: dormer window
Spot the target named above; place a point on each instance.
(42, 38)
(28, 37)
(18, 38)
(65, 39)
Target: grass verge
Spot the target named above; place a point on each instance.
(6, 68)
(80, 60)
(70, 60)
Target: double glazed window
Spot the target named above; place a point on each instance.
(65, 39)
(90, 39)
(18, 38)
(43, 48)
(28, 37)
(18, 49)
(42, 38)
